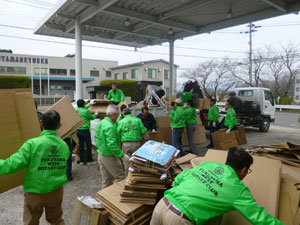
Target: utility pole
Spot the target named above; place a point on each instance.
(252, 28)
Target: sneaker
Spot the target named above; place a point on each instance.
(91, 163)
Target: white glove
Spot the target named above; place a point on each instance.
(96, 113)
(92, 102)
(214, 124)
(153, 130)
(228, 131)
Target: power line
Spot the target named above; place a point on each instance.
(116, 49)
(20, 3)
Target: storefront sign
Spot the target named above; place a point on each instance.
(23, 59)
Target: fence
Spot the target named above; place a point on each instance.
(46, 100)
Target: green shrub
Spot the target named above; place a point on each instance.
(7, 82)
(286, 100)
(129, 87)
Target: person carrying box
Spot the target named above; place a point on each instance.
(45, 159)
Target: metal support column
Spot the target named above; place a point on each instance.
(171, 70)
(78, 59)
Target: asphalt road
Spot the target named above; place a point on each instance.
(87, 180)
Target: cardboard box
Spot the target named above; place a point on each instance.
(84, 215)
(69, 118)
(164, 124)
(199, 135)
(19, 122)
(154, 136)
(224, 141)
(204, 103)
(100, 106)
(241, 135)
(263, 182)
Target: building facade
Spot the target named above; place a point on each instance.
(153, 70)
(55, 76)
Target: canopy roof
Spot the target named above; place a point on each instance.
(141, 23)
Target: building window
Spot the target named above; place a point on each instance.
(297, 97)
(152, 73)
(72, 72)
(117, 76)
(297, 89)
(58, 71)
(12, 70)
(67, 88)
(297, 81)
(125, 76)
(42, 71)
(108, 73)
(167, 92)
(166, 74)
(134, 73)
(94, 73)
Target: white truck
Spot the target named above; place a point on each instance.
(255, 106)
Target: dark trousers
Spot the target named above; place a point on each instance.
(190, 135)
(84, 136)
(69, 142)
(212, 129)
(176, 139)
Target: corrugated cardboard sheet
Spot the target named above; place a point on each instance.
(263, 182)
(69, 118)
(19, 122)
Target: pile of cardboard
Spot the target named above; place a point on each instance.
(121, 213)
(101, 105)
(148, 175)
(235, 138)
(286, 152)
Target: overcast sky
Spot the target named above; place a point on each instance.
(18, 18)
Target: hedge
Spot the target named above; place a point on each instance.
(7, 82)
(129, 87)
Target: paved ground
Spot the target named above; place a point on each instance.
(86, 178)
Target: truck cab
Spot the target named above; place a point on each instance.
(256, 107)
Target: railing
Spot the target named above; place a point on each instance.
(280, 107)
(45, 100)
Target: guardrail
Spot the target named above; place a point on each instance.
(46, 100)
(280, 107)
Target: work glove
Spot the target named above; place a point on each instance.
(96, 113)
(228, 131)
(153, 130)
(214, 124)
(92, 102)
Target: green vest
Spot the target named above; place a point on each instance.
(45, 158)
(116, 96)
(177, 117)
(131, 129)
(86, 116)
(107, 139)
(212, 189)
(230, 119)
(190, 116)
(213, 113)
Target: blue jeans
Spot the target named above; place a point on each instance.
(212, 129)
(176, 139)
(84, 136)
(69, 162)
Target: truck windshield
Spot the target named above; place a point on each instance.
(245, 93)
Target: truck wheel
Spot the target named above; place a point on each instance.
(265, 125)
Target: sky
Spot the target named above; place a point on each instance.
(18, 18)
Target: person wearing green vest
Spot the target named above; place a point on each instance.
(213, 118)
(108, 144)
(230, 119)
(130, 129)
(115, 95)
(177, 118)
(191, 124)
(121, 116)
(45, 159)
(83, 132)
(210, 190)
(186, 96)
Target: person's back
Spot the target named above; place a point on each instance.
(131, 129)
(45, 159)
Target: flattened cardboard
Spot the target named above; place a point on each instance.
(19, 122)
(241, 135)
(196, 161)
(263, 182)
(186, 158)
(69, 118)
(164, 124)
(154, 136)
